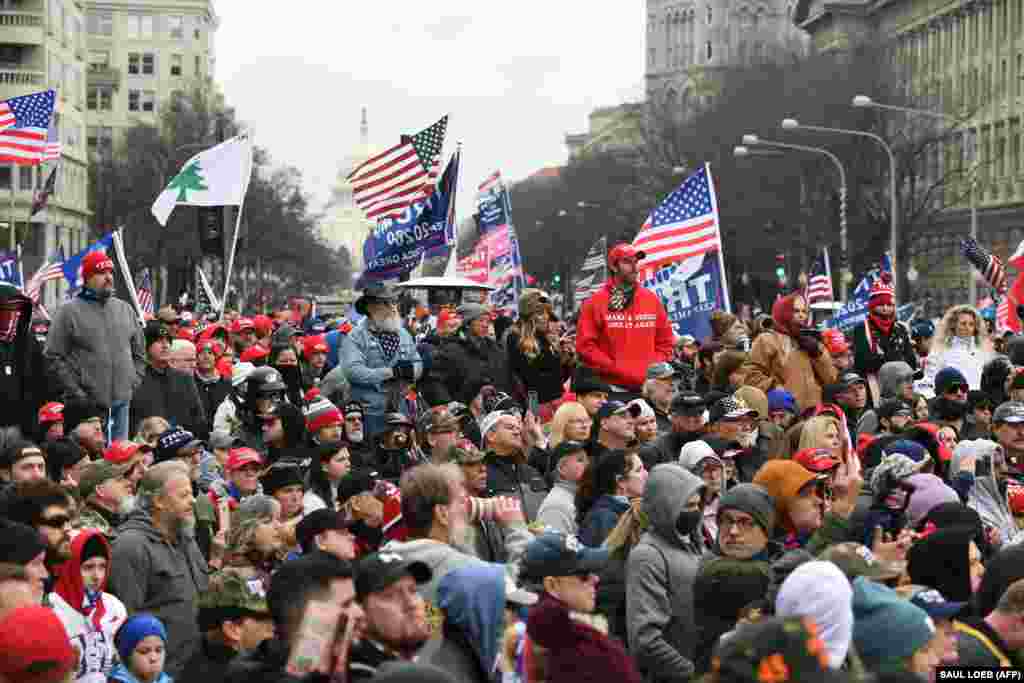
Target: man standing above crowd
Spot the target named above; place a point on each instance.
(623, 328)
(881, 338)
(95, 345)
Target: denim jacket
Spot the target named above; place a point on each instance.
(366, 369)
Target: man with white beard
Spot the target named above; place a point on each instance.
(156, 566)
(107, 492)
(359, 447)
(732, 421)
(379, 357)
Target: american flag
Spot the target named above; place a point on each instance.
(145, 293)
(491, 182)
(476, 266)
(819, 284)
(988, 264)
(53, 147)
(682, 226)
(1003, 314)
(24, 123)
(53, 269)
(384, 185)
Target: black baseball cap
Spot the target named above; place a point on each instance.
(318, 522)
(555, 554)
(378, 571)
(688, 403)
(849, 379)
(359, 480)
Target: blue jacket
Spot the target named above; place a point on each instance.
(122, 675)
(363, 359)
(601, 519)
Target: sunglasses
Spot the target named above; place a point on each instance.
(957, 389)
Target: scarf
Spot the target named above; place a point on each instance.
(621, 296)
(388, 342)
(782, 315)
(92, 295)
(884, 325)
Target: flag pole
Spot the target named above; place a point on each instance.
(828, 273)
(234, 240)
(722, 277)
(128, 279)
(450, 269)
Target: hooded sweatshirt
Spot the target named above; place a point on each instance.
(91, 619)
(821, 591)
(694, 457)
(661, 571)
(988, 496)
(941, 561)
(889, 383)
(473, 601)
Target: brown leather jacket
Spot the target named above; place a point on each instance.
(777, 362)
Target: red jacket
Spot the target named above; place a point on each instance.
(619, 345)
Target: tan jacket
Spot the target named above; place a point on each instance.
(777, 362)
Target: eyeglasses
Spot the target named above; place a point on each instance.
(726, 522)
(56, 522)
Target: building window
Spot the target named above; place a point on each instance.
(100, 22)
(199, 66)
(25, 177)
(140, 26)
(134, 63)
(148, 100)
(99, 60)
(709, 14)
(133, 100)
(1020, 74)
(100, 99)
(6, 175)
(175, 65)
(148, 64)
(176, 26)
(99, 138)
(707, 50)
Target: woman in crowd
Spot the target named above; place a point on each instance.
(605, 492)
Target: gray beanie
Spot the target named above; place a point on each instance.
(753, 500)
(470, 312)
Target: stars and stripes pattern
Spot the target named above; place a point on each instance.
(593, 273)
(385, 185)
(23, 140)
(476, 266)
(53, 148)
(492, 181)
(145, 293)
(819, 283)
(987, 263)
(52, 269)
(682, 226)
(1003, 314)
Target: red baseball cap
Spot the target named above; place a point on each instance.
(254, 353)
(817, 460)
(186, 333)
(242, 324)
(96, 262)
(314, 344)
(51, 412)
(263, 324)
(34, 646)
(624, 250)
(240, 457)
(121, 452)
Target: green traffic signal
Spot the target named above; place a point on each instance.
(780, 273)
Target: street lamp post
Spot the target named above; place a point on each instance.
(750, 140)
(894, 226)
(865, 102)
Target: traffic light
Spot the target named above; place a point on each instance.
(557, 280)
(211, 229)
(780, 268)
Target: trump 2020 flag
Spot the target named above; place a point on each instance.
(218, 176)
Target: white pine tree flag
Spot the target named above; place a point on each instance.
(218, 176)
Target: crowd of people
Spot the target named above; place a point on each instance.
(448, 493)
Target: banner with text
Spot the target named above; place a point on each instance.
(690, 291)
(10, 270)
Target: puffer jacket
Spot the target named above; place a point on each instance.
(369, 374)
(661, 571)
(776, 362)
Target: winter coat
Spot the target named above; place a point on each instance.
(121, 674)
(776, 362)
(24, 387)
(96, 350)
(620, 345)
(370, 375)
(459, 364)
(558, 511)
(335, 387)
(576, 652)
(660, 574)
(212, 392)
(894, 347)
(601, 519)
(543, 374)
(666, 448)
(173, 395)
(265, 664)
(889, 376)
(149, 574)
(209, 663)
(508, 476)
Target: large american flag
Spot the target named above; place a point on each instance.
(384, 185)
(53, 269)
(682, 226)
(24, 123)
(53, 148)
(819, 283)
(988, 264)
(145, 292)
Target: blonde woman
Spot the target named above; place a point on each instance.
(961, 342)
(824, 431)
(534, 355)
(571, 423)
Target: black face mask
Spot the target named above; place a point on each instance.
(291, 375)
(687, 521)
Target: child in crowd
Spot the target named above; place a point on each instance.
(142, 645)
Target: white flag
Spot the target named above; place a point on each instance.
(218, 176)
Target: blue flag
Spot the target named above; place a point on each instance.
(9, 270)
(856, 309)
(73, 266)
(690, 298)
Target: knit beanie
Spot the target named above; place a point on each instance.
(783, 479)
(911, 449)
(322, 413)
(894, 468)
(94, 262)
(946, 378)
(886, 627)
(280, 475)
(882, 292)
(722, 588)
(721, 322)
(77, 412)
(19, 543)
(929, 491)
(134, 631)
(753, 500)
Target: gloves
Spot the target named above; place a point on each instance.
(404, 369)
(810, 342)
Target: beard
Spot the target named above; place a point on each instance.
(747, 440)
(392, 323)
(356, 436)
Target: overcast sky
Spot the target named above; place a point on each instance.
(515, 77)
